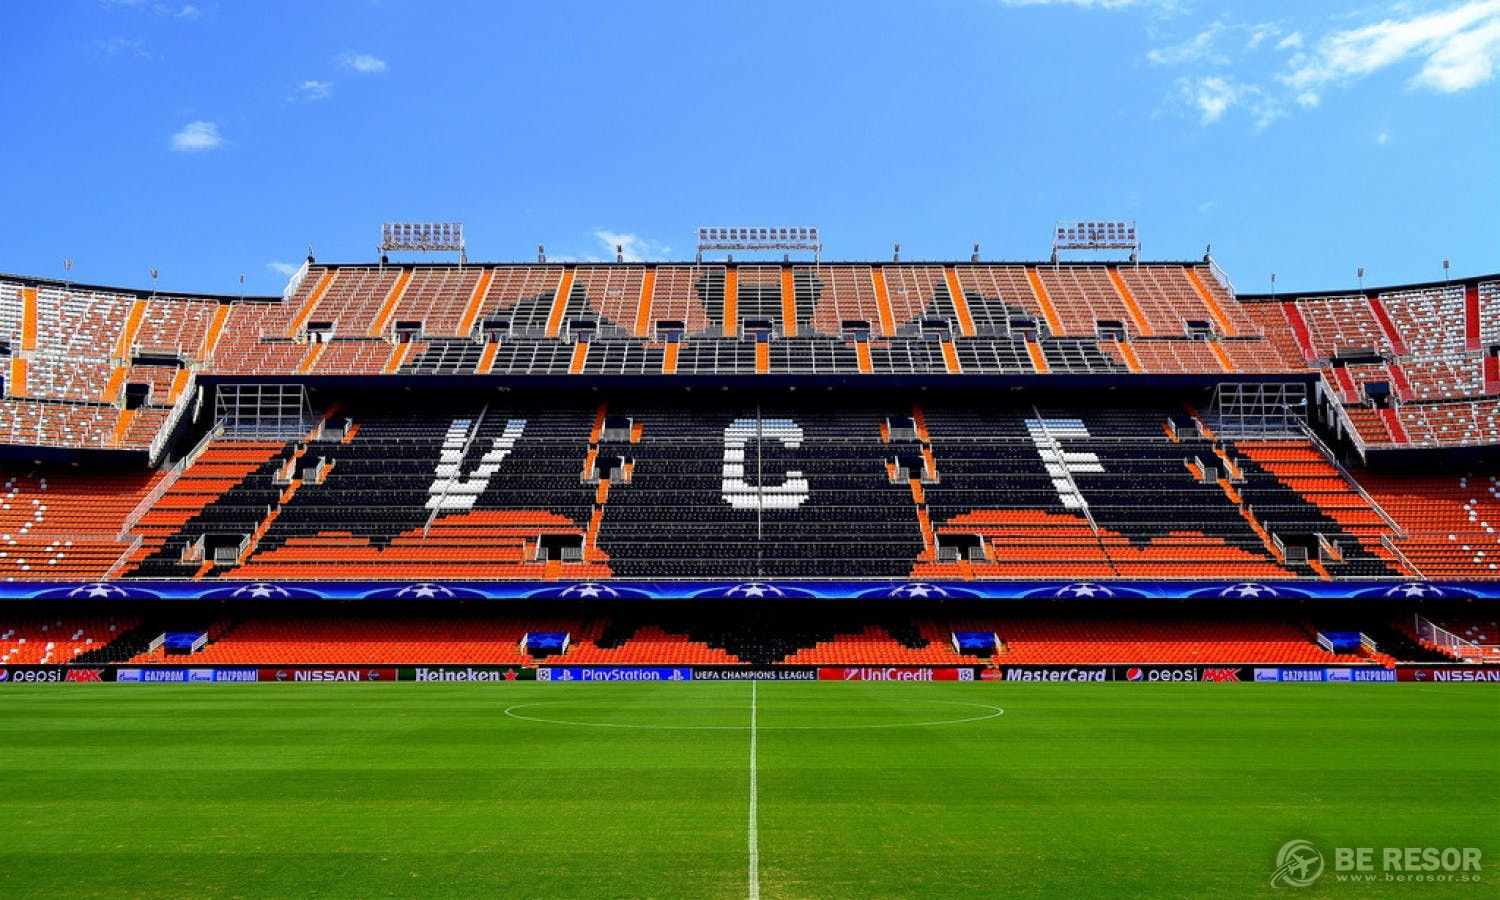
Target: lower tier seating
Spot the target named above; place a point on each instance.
(773, 633)
(1451, 522)
(45, 640)
(743, 488)
(60, 524)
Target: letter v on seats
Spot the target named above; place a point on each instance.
(450, 490)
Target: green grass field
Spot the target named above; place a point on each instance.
(644, 789)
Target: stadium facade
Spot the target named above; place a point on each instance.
(753, 431)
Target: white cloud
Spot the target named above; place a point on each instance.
(1214, 95)
(283, 268)
(315, 90)
(1458, 49)
(363, 63)
(1454, 49)
(1261, 33)
(1093, 4)
(1207, 206)
(1197, 49)
(196, 137)
(633, 247)
(1383, 137)
(122, 46)
(187, 11)
(1211, 96)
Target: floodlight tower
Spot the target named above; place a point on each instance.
(759, 238)
(1092, 235)
(424, 237)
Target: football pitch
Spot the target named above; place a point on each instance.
(733, 790)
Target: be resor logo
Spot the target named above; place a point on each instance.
(1299, 864)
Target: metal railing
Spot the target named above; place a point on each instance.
(1459, 648)
(294, 282)
(165, 484)
(1364, 495)
(164, 433)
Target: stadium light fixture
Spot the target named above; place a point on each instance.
(1445, 271)
(974, 257)
(423, 237)
(1273, 285)
(896, 253)
(759, 238)
(1096, 235)
(1360, 275)
(154, 274)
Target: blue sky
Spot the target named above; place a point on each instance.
(211, 138)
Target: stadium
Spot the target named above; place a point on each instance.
(1074, 572)
(873, 471)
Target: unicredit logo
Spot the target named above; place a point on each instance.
(887, 674)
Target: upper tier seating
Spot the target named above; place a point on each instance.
(176, 327)
(1341, 324)
(1488, 311)
(438, 298)
(1427, 320)
(1084, 296)
(75, 346)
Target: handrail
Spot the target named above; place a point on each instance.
(1389, 544)
(166, 483)
(1350, 431)
(295, 282)
(1435, 634)
(1322, 448)
(1221, 276)
(124, 557)
(184, 399)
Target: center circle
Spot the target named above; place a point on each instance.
(979, 712)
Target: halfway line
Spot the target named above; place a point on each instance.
(754, 826)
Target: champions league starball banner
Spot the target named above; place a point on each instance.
(420, 591)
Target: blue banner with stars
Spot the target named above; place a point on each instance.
(752, 590)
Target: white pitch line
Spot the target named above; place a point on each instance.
(754, 823)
